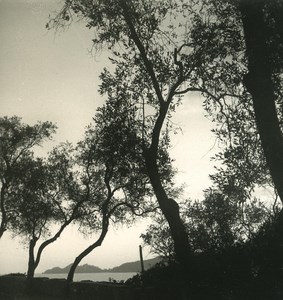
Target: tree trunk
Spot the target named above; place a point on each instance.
(31, 261)
(3, 211)
(170, 209)
(79, 258)
(259, 83)
(48, 242)
(31, 266)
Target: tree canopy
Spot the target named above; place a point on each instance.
(17, 141)
(162, 50)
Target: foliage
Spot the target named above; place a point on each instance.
(30, 201)
(213, 225)
(111, 172)
(150, 73)
(158, 237)
(220, 222)
(160, 51)
(17, 141)
(111, 177)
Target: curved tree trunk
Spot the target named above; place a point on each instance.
(89, 249)
(48, 242)
(170, 209)
(54, 238)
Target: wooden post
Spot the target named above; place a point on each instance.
(141, 259)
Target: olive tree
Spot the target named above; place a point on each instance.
(17, 141)
(46, 199)
(164, 49)
(112, 176)
(147, 40)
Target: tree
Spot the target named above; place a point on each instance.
(152, 70)
(242, 47)
(46, 199)
(262, 26)
(247, 97)
(205, 54)
(111, 178)
(17, 141)
(34, 212)
(263, 37)
(241, 73)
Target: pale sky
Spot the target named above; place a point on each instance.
(47, 76)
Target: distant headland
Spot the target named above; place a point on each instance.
(124, 268)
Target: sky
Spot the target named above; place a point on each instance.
(48, 75)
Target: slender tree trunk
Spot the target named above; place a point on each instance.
(88, 250)
(168, 206)
(259, 83)
(3, 210)
(48, 242)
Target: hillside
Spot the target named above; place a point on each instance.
(124, 268)
(135, 266)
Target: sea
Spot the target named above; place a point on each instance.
(108, 277)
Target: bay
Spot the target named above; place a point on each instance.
(103, 276)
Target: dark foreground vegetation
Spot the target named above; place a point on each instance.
(251, 271)
(230, 275)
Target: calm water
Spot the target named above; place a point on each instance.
(92, 276)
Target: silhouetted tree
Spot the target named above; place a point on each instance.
(17, 141)
(201, 50)
(151, 69)
(111, 177)
(34, 210)
(241, 42)
(45, 199)
(262, 22)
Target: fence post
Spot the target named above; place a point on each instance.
(141, 259)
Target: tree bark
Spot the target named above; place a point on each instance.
(259, 83)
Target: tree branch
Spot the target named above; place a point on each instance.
(140, 46)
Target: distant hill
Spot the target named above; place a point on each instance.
(80, 269)
(135, 266)
(124, 268)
